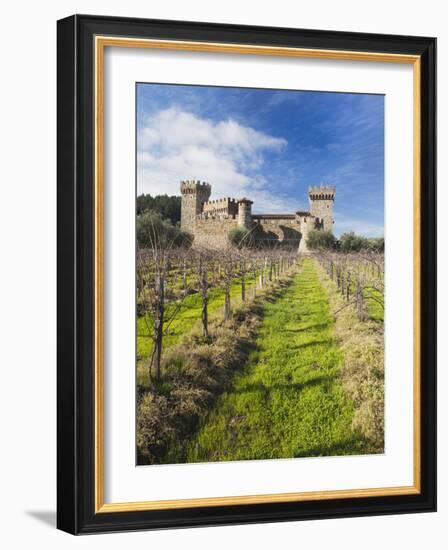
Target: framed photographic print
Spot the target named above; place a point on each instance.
(246, 274)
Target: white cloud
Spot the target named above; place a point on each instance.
(175, 145)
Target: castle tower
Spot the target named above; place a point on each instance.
(245, 213)
(321, 205)
(194, 194)
(306, 225)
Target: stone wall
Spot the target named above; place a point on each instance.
(245, 213)
(307, 223)
(284, 230)
(225, 206)
(211, 221)
(194, 195)
(213, 232)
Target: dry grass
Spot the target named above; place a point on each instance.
(194, 374)
(362, 344)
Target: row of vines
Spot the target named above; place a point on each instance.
(359, 278)
(167, 276)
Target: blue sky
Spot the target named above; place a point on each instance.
(269, 145)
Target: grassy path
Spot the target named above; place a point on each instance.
(288, 402)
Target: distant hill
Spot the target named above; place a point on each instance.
(168, 207)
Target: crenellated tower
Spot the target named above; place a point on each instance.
(245, 213)
(194, 195)
(321, 205)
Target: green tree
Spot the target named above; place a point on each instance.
(376, 245)
(153, 230)
(350, 242)
(241, 237)
(167, 206)
(320, 240)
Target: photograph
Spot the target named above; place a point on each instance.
(260, 290)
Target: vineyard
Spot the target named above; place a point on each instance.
(258, 353)
(176, 289)
(360, 280)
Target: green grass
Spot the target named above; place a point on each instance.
(288, 401)
(185, 320)
(372, 299)
(375, 310)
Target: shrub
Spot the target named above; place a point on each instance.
(153, 414)
(320, 240)
(241, 237)
(376, 245)
(350, 242)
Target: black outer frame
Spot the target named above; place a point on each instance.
(75, 296)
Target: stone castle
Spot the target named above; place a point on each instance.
(210, 222)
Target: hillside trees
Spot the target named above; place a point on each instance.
(350, 242)
(168, 207)
(320, 240)
(153, 229)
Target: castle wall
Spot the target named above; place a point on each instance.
(307, 223)
(211, 221)
(213, 232)
(285, 229)
(221, 206)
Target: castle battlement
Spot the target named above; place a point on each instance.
(224, 205)
(321, 192)
(215, 216)
(244, 200)
(192, 187)
(221, 201)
